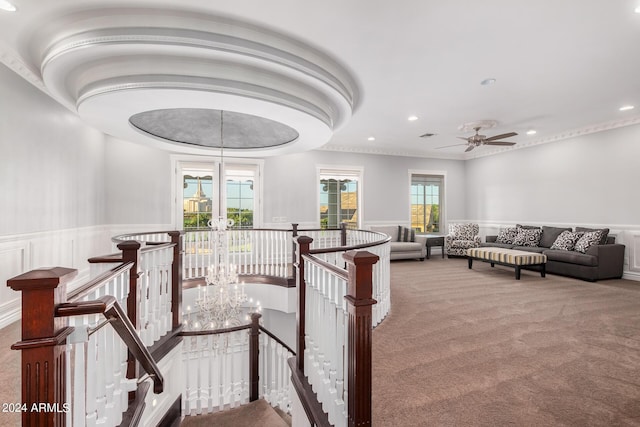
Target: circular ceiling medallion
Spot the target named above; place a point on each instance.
(482, 124)
(200, 126)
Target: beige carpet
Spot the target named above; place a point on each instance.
(258, 413)
(477, 348)
(10, 390)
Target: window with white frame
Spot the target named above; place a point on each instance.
(241, 194)
(204, 197)
(340, 192)
(427, 196)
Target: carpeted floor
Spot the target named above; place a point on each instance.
(258, 413)
(477, 348)
(10, 391)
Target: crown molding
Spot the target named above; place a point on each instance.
(399, 153)
(600, 127)
(586, 130)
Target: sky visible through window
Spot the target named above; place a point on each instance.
(234, 191)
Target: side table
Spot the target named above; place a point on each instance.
(434, 240)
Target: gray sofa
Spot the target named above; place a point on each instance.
(604, 260)
(403, 250)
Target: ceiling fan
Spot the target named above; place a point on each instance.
(478, 140)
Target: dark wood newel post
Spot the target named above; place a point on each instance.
(176, 280)
(343, 234)
(42, 345)
(359, 302)
(131, 253)
(254, 353)
(303, 245)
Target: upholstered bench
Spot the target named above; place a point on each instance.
(508, 257)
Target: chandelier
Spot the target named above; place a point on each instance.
(220, 302)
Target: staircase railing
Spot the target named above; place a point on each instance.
(82, 358)
(227, 368)
(332, 370)
(75, 367)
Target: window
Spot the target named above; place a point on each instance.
(200, 197)
(339, 198)
(240, 195)
(427, 192)
(197, 193)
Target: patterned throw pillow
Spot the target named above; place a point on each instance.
(528, 237)
(589, 238)
(604, 231)
(463, 231)
(566, 241)
(507, 235)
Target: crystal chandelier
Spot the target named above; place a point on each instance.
(219, 303)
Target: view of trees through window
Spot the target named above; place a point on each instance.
(200, 197)
(240, 198)
(426, 201)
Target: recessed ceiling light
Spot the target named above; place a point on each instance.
(531, 132)
(412, 118)
(371, 138)
(7, 6)
(488, 81)
(637, 9)
(626, 107)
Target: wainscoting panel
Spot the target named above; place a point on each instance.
(13, 257)
(60, 248)
(632, 238)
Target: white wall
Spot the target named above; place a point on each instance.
(52, 194)
(138, 189)
(588, 180)
(291, 187)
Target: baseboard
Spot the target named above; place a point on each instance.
(10, 312)
(631, 275)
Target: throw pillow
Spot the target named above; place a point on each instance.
(527, 227)
(566, 241)
(463, 231)
(550, 235)
(507, 235)
(587, 240)
(528, 237)
(406, 234)
(604, 231)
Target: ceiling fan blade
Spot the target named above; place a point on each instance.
(469, 148)
(447, 146)
(498, 143)
(504, 135)
(462, 137)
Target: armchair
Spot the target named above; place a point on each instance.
(460, 238)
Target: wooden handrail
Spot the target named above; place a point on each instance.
(85, 289)
(133, 415)
(352, 247)
(114, 313)
(278, 340)
(333, 269)
(215, 331)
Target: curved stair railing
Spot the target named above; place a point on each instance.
(80, 350)
(94, 359)
(226, 368)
